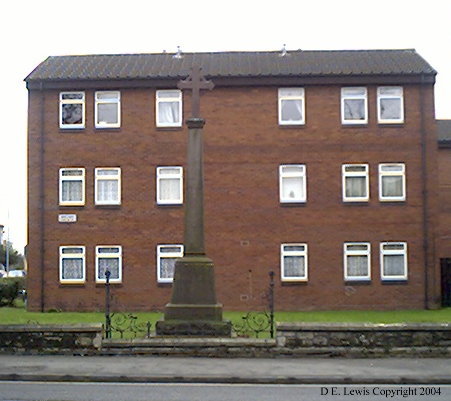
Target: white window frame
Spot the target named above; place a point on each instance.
(350, 174)
(401, 173)
(178, 96)
(301, 253)
(116, 177)
(161, 176)
(301, 174)
(349, 96)
(98, 102)
(72, 101)
(167, 255)
(284, 97)
(381, 96)
(112, 255)
(63, 178)
(349, 252)
(394, 252)
(63, 256)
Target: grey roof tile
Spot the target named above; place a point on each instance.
(232, 64)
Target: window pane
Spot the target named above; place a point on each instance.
(170, 189)
(72, 250)
(107, 113)
(354, 109)
(393, 247)
(72, 191)
(356, 187)
(169, 170)
(354, 91)
(390, 109)
(291, 110)
(390, 90)
(357, 247)
(167, 267)
(392, 186)
(170, 249)
(72, 96)
(69, 173)
(108, 190)
(294, 266)
(168, 94)
(293, 169)
(394, 265)
(291, 92)
(292, 188)
(107, 172)
(72, 268)
(72, 113)
(357, 265)
(355, 168)
(168, 112)
(391, 168)
(111, 264)
(107, 95)
(294, 248)
(108, 250)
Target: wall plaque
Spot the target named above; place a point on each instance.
(67, 218)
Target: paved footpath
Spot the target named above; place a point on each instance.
(221, 370)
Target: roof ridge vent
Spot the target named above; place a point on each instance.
(179, 53)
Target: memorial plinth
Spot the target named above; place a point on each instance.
(194, 310)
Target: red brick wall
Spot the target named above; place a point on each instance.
(245, 223)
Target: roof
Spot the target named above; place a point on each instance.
(444, 132)
(232, 64)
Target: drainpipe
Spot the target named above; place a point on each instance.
(424, 177)
(42, 197)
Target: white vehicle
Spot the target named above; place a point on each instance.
(16, 273)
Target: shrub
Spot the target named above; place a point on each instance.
(9, 290)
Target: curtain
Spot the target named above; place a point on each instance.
(394, 265)
(168, 112)
(107, 113)
(357, 265)
(112, 264)
(107, 190)
(72, 113)
(390, 109)
(294, 266)
(72, 191)
(356, 187)
(354, 109)
(167, 266)
(170, 189)
(292, 188)
(392, 186)
(72, 268)
(292, 110)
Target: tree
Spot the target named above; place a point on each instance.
(15, 258)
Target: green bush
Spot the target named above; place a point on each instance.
(10, 289)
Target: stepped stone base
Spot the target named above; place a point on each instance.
(194, 328)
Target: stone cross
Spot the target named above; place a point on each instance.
(195, 81)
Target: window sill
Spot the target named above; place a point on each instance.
(163, 284)
(356, 202)
(391, 125)
(288, 283)
(392, 202)
(106, 129)
(108, 206)
(72, 130)
(293, 204)
(169, 205)
(178, 128)
(394, 281)
(355, 125)
(291, 126)
(357, 281)
(103, 284)
(72, 283)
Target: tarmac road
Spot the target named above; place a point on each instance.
(23, 391)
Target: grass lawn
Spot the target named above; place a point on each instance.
(18, 315)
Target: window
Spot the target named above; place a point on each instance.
(72, 186)
(392, 182)
(292, 183)
(354, 106)
(108, 109)
(72, 264)
(169, 108)
(108, 186)
(72, 110)
(293, 262)
(109, 258)
(355, 183)
(291, 106)
(390, 105)
(394, 261)
(357, 260)
(166, 257)
(169, 185)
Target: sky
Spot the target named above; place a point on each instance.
(30, 31)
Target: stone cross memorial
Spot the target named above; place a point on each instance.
(193, 310)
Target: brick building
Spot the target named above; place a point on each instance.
(319, 165)
(444, 225)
